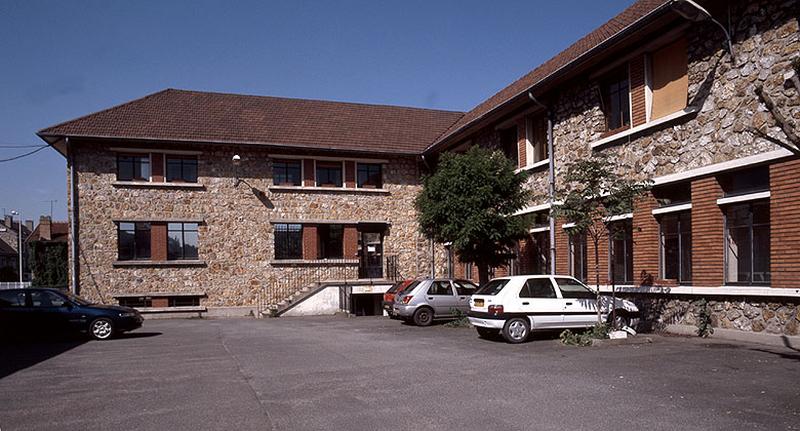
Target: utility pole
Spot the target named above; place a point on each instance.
(19, 241)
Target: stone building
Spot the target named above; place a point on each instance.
(660, 89)
(663, 98)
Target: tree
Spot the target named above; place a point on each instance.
(594, 193)
(469, 202)
(49, 263)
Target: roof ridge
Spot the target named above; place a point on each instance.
(120, 105)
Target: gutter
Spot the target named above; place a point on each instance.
(603, 45)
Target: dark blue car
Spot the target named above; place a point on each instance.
(50, 311)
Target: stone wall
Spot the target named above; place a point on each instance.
(757, 314)
(236, 235)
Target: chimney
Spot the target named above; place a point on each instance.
(8, 220)
(45, 234)
(29, 225)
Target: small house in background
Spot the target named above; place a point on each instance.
(9, 242)
(47, 253)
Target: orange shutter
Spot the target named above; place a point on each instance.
(670, 82)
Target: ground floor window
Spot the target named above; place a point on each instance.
(468, 270)
(747, 242)
(578, 267)
(541, 253)
(288, 241)
(621, 252)
(182, 241)
(133, 241)
(676, 247)
(330, 243)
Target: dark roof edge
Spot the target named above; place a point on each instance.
(581, 58)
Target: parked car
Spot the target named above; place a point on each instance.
(513, 306)
(388, 297)
(49, 311)
(431, 299)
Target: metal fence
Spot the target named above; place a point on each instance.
(14, 284)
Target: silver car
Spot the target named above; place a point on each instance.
(430, 299)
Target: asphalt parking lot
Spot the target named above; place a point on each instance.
(375, 373)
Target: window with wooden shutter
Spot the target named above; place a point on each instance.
(670, 83)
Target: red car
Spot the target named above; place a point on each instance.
(399, 287)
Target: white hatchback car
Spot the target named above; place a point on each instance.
(516, 305)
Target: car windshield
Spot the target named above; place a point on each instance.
(77, 299)
(573, 289)
(493, 287)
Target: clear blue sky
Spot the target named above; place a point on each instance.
(63, 59)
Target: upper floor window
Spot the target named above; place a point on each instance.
(288, 241)
(370, 175)
(182, 241)
(286, 173)
(508, 143)
(537, 139)
(616, 99)
(133, 241)
(133, 167)
(181, 169)
(329, 174)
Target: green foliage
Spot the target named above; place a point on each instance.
(49, 263)
(468, 201)
(461, 320)
(584, 338)
(704, 328)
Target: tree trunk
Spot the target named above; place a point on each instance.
(596, 241)
(483, 273)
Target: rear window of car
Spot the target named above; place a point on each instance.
(395, 287)
(493, 287)
(12, 298)
(410, 287)
(572, 289)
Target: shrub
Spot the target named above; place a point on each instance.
(704, 328)
(584, 338)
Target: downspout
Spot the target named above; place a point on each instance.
(551, 189)
(73, 178)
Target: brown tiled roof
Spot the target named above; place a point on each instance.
(193, 116)
(59, 231)
(614, 26)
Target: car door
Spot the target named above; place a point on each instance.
(441, 297)
(13, 311)
(48, 311)
(464, 290)
(580, 303)
(538, 299)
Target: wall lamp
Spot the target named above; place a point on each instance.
(236, 161)
(696, 13)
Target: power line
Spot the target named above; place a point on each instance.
(24, 155)
(21, 146)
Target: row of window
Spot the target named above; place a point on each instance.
(746, 256)
(134, 241)
(137, 167)
(326, 174)
(289, 241)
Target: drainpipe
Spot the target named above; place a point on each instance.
(73, 178)
(551, 186)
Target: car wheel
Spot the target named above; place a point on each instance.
(423, 316)
(486, 333)
(101, 328)
(516, 330)
(620, 321)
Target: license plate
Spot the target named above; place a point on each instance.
(479, 302)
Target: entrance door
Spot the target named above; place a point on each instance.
(371, 256)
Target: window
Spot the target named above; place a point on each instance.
(44, 298)
(468, 270)
(181, 169)
(12, 298)
(676, 247)
(330, 241)
(286, 173)
(673, 194)
(574, 290)
(541, 253)
(464, 287)
(621, 251)
(745, 181)
(133, 167)
(577, 256)
(182, 241)
(669, 81)
(288, 241)
(183, 301)
(537, 139)
(508, 143)
(616, 100)
(329, 174)
(440, 288)
(370, 176)
(747, 242)
(537, 288)
(133, 241)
